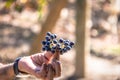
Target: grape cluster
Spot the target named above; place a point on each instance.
(51, 43)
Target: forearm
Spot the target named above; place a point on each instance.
(7, 72)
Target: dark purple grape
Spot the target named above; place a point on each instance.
(43, 42)
(47, 43)
(48, 33)
(61, 40)
(48, 49)
(53, 50)
(71, 43)
(54, 47)
(55, 36)
(46, 46)
(66, 43)
(58, 45)
(64, 50)
(52, 36)
(47, 38)
(55, 41)
(68, 47)
(59, 48)
(43, 48)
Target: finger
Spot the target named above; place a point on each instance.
(57, 68)
(37, 58)
(50, 74)
(41, 58)
(42, 72)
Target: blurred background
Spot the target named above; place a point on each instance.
(94, 26)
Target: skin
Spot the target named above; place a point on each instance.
(6, 70)
(45, 66)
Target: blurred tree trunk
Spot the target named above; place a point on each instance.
(82, 37)
(48, 25)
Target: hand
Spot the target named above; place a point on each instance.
(40, 66)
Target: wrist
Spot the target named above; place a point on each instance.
(16, 66)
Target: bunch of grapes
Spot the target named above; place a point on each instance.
(51, 43)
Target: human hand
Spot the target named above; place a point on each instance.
(40, 65)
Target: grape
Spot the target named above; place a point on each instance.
(54, 47)
(43, 42)
(48, 49)
(47, 38)
(71, 43)
(43, 48)
(51, 43)
(52, 36)
(59, 48)
(48, 33)
(66, 43)
(61, 40)
(68, 47)
(48, 43)
(55, 36)
(58, 45)
(55, 41)
(64, 50)
(53, 50)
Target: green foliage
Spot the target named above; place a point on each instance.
(9, 3)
